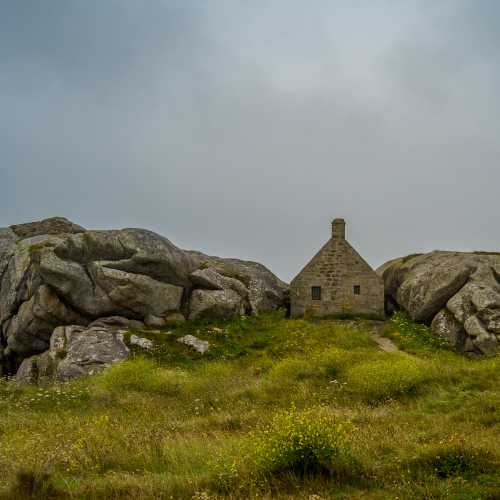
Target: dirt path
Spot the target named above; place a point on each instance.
(384, 343)
(376, 327)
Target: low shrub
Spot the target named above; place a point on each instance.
(295, 448)
(305, 443)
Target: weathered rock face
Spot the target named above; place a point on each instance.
(457, 293)
(86, 351)
(266, 292)
(31, 328)
(215, 304)
(74, 351)
(55, 273)
(210, 279)
(53, 225)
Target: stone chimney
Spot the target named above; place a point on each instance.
(338, 229)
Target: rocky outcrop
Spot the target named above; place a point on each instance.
(210, 279)
(457, 293)
(52, 225)
(54, 273)
(266, 292)
(74, 351)
(30, 329)
(215, 304)
(118, 322)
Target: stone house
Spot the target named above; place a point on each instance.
(337, 281)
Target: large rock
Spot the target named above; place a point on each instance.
(86, 351)
(215, 304)
(55, 273)
(210, 279)
(76, 284)
(457, 293)
(37, 368)
(266, 292)
(449, 328)
(20, 277)
(30, 329)
(52, 225)
(106, 273)
(137, 293)
(7, 247)
(117, 322)
(134, 251)
(74, 351)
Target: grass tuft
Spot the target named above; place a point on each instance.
(141, 375)
(389, 377)
(455, 459)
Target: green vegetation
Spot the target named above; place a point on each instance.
(277, 408)
(388, 377)
(304, 443)
(413, 337)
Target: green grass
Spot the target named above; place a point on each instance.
(389, 376)
(413, 337)
(277, 408)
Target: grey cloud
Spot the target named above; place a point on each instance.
(241, 128)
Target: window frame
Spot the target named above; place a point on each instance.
(356, 290)
(316, 296)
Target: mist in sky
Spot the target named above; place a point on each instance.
(242, 128)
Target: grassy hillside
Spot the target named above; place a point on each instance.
(277, 409)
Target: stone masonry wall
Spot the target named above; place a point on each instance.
(337, 268)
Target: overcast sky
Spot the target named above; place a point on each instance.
(241, 128)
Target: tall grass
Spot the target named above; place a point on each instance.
(172, 424)
(388, 377)
(141, 375)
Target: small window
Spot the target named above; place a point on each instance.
(357, 290)
(316, 292)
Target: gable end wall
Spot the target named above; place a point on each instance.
(337, 268)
